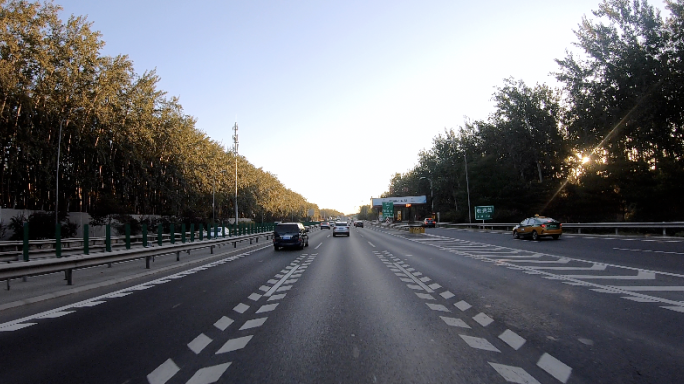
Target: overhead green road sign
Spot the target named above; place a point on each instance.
(484, 212)
(388, 209)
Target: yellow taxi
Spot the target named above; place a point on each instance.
(537, 227)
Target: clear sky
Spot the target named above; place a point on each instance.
(335, 96)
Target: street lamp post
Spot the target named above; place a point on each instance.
(432, 195)
(465, 160)
(235, 151)
(59, 147)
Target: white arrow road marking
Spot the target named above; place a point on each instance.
(208, 375)
(163, 372)
(595, 267)
(514, 374)
(642, 275)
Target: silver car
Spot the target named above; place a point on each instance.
(341, 228)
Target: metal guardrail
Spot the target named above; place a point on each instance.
(579, 226)
(20, 269)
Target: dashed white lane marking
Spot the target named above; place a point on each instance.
(645, 288)
(462, 305)
(15, 327)
(425, 296)
(267, 308)
(479, 343)
(447, 295)
(640, 299)
(674, 308)
(208, 375)
(438, 307)
(554, 367)
(234, 344)
(284, 288)
(54, 315)
(253, 323)
(163, 373)
(199, 343)
(512, 339)
(88, 304)
(411, 276)
(276, 287)
(454, 322)
(514, 374)
(223, 323)
(483, 319)
(241, 308)
(277, 297)
(254, 297)
(371, 244)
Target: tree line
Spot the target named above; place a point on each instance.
(606, 145)
(124, 146)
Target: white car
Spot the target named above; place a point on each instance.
(341, 228)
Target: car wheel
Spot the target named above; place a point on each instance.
(516, 235)
(556, 237)
(535, 235)
(307, 243)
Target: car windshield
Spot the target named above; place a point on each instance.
(286, 228)
(340, 224)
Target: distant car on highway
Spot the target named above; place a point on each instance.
(341, 228)
(429, 222)
(325, 225)
(537, 227)
(358, 223)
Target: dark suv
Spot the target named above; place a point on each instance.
(290, 235)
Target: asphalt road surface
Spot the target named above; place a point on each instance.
(381, 306)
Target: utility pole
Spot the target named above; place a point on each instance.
(235, 152)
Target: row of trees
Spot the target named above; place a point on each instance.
(607, 145)
(124, 146)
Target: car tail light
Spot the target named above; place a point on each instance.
(543, 225)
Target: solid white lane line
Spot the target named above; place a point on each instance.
(15, 327)
(208, 375)
(235, 344)
(555, 367)
(479, 343)
(241, 308)
(253, 323)
(163, 373)
(674, 308)
(415, 279)
(514, 374)
(642, 275)
(512, 339)
(282, 280)
(199, 343)
(223, 323)
(371, 244)
(54, 315)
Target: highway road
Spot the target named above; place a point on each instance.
(382, 306)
